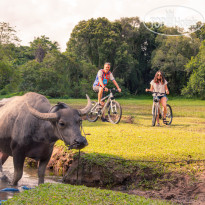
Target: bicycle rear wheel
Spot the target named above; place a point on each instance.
(114, 112)
(169, 115)
(92, 116)
(154, 115)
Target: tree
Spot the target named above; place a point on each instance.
(41, 46)
(196, 83)
(171, 55)
(95, 41)
(8, 34)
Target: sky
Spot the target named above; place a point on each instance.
(57, 18)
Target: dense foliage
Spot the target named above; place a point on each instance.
(134, 52)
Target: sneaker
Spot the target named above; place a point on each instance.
(165, 121)
(104, 119)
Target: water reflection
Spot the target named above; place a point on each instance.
(28, 179)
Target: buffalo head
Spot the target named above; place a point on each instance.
(66, 123)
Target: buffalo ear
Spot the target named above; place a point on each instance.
(58, 106)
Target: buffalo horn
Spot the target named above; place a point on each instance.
(87, 108)
(42, 116)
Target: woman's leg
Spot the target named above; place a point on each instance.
(158, 117)
(163, 101)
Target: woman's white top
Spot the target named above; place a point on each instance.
(158, 87)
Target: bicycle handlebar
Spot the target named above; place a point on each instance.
(112, 90)
(157, 92)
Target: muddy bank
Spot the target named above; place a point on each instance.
(179, 188)
(121, 176)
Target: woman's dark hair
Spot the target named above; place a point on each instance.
(162, 78)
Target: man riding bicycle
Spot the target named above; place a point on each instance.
(101, 80)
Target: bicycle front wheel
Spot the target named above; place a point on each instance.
(169, 115)
(154, 115)
(114, 112)
(92, 116)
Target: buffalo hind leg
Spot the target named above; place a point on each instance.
(18, 159)
(42, 169)
(3, 158)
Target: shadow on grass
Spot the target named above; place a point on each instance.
(103, 170)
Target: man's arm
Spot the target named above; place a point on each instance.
(117, 86)
(101, 82)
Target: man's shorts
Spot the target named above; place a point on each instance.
(96, 88)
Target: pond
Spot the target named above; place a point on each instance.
(29, 179)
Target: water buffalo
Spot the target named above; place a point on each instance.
(29, 127)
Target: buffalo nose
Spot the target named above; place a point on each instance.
(81, 142)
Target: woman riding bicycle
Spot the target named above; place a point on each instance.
(159, 84)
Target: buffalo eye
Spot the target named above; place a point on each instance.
(61, 124)
(80, 121)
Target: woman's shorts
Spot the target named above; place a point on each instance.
(160, 97)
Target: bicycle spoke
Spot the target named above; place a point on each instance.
(92, 116)
(169, 115)
(114, 112)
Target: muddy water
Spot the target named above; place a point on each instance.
(29, 179)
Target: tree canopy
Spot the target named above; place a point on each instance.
(135, 54)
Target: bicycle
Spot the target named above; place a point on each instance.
(156, 108)
(114, 109)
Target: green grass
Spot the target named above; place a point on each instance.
(78, 195)
(183, 140)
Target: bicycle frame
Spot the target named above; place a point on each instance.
(159, 109)
(110, 99)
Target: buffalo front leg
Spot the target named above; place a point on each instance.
(42, 169)
(18, 159)
(3, 158)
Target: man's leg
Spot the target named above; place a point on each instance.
(100, 93)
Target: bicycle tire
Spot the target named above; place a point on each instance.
(154, 115)
(169, 115)
(92, 116)
(114, 112)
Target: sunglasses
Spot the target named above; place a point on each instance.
(159, 75)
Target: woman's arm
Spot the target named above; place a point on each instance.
(166, 90)
(151, 88)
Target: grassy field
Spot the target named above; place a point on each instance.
(134, 142)
(183, 140)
